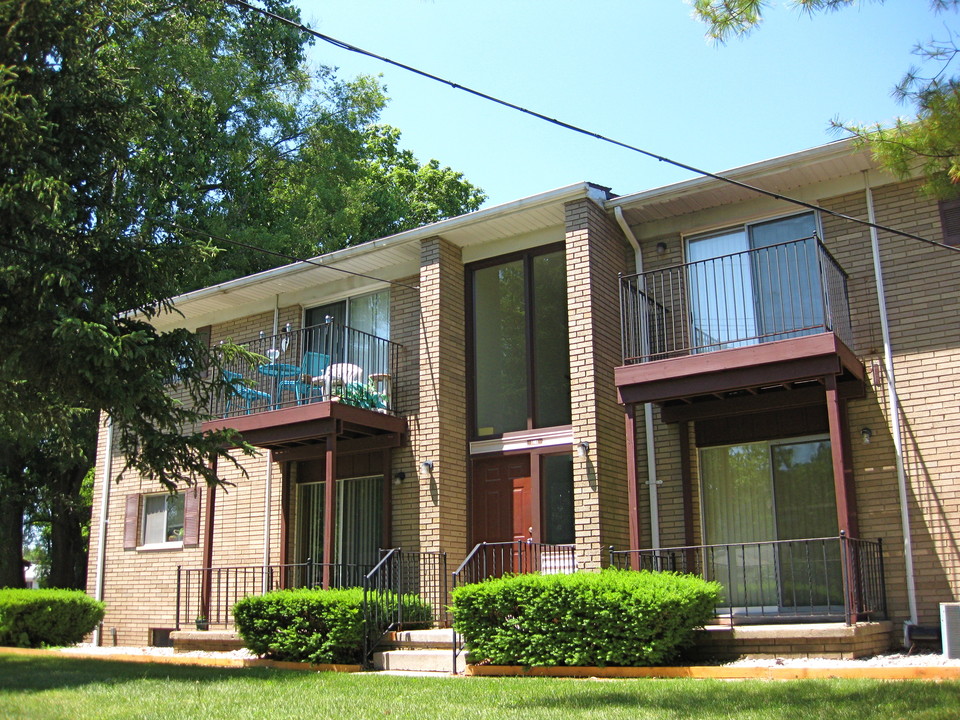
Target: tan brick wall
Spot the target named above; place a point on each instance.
(244, 329)
(441, 424)
(238, 537)
(922, 300)
(140, 585)
(595, 254)
(405, 330)
(923, 296)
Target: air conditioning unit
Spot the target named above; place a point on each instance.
(950, 629)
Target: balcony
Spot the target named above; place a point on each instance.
(304, 384)
(769, 318)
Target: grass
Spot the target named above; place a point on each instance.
(44, 688)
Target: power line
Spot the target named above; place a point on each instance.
(583, 131)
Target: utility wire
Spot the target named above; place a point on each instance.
(583, 131)
(285, 256)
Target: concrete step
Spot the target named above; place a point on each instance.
(205, 640)
(433, 639)
(435, 661)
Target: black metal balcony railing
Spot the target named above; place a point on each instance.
(811, 579)
(771, 293)
(212, 592)
(323, 362)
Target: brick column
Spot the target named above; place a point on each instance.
(596, 252)
(441, 432)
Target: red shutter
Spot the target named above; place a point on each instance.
(191, 517)
(131, 523)
(204, 333)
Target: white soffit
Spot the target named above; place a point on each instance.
(779, 175)
(393, 258)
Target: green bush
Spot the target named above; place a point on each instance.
(614, 617)
(317, 626)
(35, 618)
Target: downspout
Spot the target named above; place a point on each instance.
(894, 410)
(268, 489)
(652, 482)
(268, 485)
(102, 533)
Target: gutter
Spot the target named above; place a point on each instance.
(652, 482)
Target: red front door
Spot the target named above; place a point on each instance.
(501, 499)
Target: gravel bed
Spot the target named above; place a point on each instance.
(920, 659)
(91, 649)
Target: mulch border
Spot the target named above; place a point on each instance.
(187, 660)
(724, 672)
(719, 672)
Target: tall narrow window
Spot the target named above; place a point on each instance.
(521, 355)
(557, 498)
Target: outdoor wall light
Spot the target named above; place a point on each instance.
(426, 467)
(399, 477)
(583, 449)
(661, 248)
(866, 433)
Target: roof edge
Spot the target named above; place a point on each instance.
(812, 155)
(560, 194)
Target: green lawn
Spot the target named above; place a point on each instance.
(45, 687)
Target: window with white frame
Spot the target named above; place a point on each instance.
(352, 334)
(162, 519)
(755, 283)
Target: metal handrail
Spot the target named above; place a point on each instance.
(776, 292)
(810, 578)
(401, 573)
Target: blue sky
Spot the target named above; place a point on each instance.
(639, 71)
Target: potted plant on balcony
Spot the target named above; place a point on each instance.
(202, 622)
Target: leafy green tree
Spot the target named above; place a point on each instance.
(122, 121)
(60, 471)
(340, 179)
(929, 141)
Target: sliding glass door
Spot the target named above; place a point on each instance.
(358, 529)
(755, 283)
(756, 494)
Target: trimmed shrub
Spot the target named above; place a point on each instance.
(614, 617)
(37, 618)
(316, 626)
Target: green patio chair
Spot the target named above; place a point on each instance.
(242, 391)
(312, 365)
